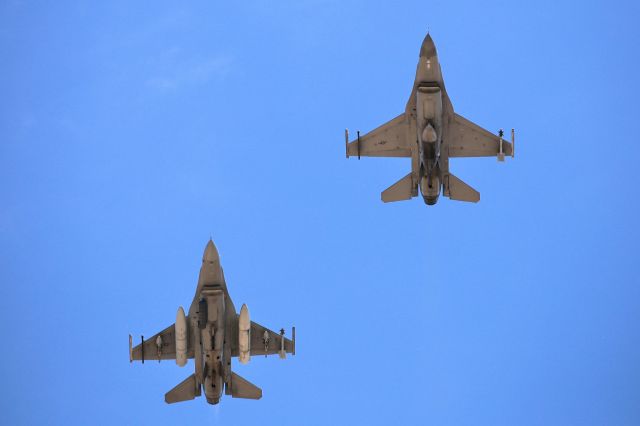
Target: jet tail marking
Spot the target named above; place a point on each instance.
(185, 391)
(242, 388)
(458, 190)
(399, 191)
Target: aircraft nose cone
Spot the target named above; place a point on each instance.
(428, 48)
(210, 253)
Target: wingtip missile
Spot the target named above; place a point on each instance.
(293, 339)
(346, 141)
(282, 353)
(513, 143)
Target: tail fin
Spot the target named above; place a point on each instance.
(184, 391)
(399, 191)
(458, 190)
(242, 388)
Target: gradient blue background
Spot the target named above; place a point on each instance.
(130, 133)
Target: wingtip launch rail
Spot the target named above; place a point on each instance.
(346, 142)
(513, 144)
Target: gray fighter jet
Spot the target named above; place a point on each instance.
(430, 133)
(212, 333)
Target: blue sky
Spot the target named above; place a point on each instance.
(130, 133)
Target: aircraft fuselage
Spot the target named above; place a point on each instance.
(212, 334)
(429, 108)
(212, 314)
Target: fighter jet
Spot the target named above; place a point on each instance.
(430, 133)
(211, 334)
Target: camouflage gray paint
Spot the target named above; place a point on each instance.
(429, 132)
(210, 334)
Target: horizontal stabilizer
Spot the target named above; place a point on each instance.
(241, 388)
(185, 391)
(458, 190)
(399, 191)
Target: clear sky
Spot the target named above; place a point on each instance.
(131, 132)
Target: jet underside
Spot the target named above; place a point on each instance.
(429, 132)
(212, 334)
